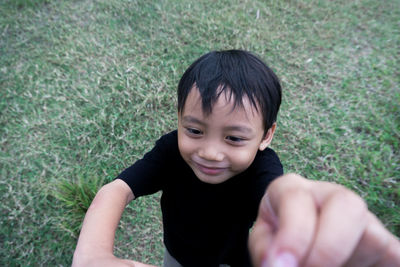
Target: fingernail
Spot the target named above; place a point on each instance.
(265, 263)
(283, 259)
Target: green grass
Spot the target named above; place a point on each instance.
(86, 87)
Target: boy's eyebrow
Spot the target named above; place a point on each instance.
(239, 128)
(191, 119)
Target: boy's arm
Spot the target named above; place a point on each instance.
(96, 239)
(310, 223)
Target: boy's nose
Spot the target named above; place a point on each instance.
(211, 153)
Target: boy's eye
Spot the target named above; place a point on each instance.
(234, 139)
(193, 131)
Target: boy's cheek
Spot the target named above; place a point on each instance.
(185, 147)
(241, 160)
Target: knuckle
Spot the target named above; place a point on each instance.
(293, 176)
(326, 254)
(351, 200)
(296, 192)
(287, 179)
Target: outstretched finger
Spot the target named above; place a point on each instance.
(342, 222)
(296, 213)
(260, 241)
(377, 247)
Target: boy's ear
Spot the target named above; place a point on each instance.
(268, 137)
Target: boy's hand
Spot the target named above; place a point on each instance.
(110, 260)
(310, 223)
(96, 240)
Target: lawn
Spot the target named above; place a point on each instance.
(87, 87)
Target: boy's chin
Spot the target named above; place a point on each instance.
(212, 179)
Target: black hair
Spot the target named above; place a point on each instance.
(242, 74)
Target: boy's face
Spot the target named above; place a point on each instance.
(222, 144)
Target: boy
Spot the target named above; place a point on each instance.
(213, 170)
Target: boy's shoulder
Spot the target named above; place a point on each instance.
(266, 161)
(166, 147)
(168, 138)
(266, 154)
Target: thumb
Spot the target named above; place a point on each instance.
(286, 223)
(261, 237)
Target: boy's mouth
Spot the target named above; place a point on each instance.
(210, 170)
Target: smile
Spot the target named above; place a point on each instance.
(209, 170)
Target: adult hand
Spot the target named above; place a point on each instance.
(312, 223)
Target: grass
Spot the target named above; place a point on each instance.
(86, 87)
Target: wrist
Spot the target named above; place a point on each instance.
(87, 258)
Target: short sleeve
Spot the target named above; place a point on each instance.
(147, 175)
(266, 167)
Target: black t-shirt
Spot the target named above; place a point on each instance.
(204, 224)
